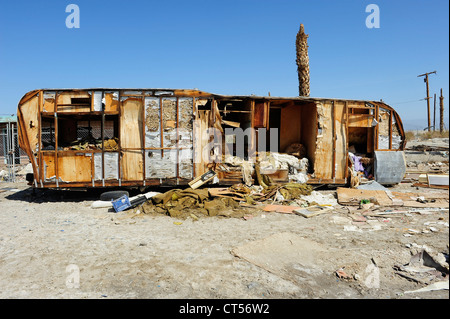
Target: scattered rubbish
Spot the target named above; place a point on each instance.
(313, 211)
(134, 201)
(424, 267)
(317, 198)
(372, 185)
(438, 180)
(340, 273)
(285, 254)
(121, 204)
(351, 196)
(280, 208)
(440, 285)
(199, 181)
(177, 223)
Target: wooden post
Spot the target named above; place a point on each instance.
(441, 104)
(434, 113)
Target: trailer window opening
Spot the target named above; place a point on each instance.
(81, 101)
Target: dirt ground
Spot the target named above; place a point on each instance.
(54, 245)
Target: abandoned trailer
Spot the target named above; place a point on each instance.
(143, 137)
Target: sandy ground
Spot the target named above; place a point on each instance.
(54, 245)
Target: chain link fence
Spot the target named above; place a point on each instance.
(12, 157)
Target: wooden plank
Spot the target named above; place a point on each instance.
(74, 168)
(131, 126)
(64, 101)
(200, 141)
(132, 165)
(360, 120)
(352, 196)
(340, 140)
(261, 117)
(333, 125)
(324, 143)
(200, 180)
(111, 103)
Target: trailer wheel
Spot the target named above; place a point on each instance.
(113, 195)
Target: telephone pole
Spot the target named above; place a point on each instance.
(434, 113)
(428, 96)
(441, 106)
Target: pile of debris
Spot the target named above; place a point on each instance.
(235, 201)
(272, 166)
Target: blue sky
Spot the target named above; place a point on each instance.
(229, 47)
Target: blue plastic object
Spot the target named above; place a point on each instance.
(121, 203)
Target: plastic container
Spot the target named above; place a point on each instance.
(121, 203)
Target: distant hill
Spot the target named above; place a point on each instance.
(420, 124)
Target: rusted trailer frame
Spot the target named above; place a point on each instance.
(144, 137)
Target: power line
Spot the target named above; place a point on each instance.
(407, 101)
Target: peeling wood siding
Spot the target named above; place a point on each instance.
(30, 116)
(131, 143)
(341, 140)
(323, 163)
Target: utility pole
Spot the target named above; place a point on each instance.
(428, 96)
(441, 104)
(434, 114)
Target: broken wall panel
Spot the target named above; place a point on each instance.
(152, 122)
(73, 101)
(169, 121)
(290, 125)
(111, 168)
(74, 167)
(185, 164)
(97, 103)
(323, 166)
(49, 101)
(111, 101)
(132, 165)
(161, 164)
(340, 143)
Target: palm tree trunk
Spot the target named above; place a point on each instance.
(301, 45)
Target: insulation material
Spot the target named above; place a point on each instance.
(383, 122)
(185, 106)
(396, 138)
(132, 93)
(111, 166)
(185, 117)
(98, 101)
(152, 122)
(158, 93)
(161, 167)
(383, 142)
(185, 163)
(169, 121)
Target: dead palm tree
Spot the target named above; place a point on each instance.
(301, 45)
